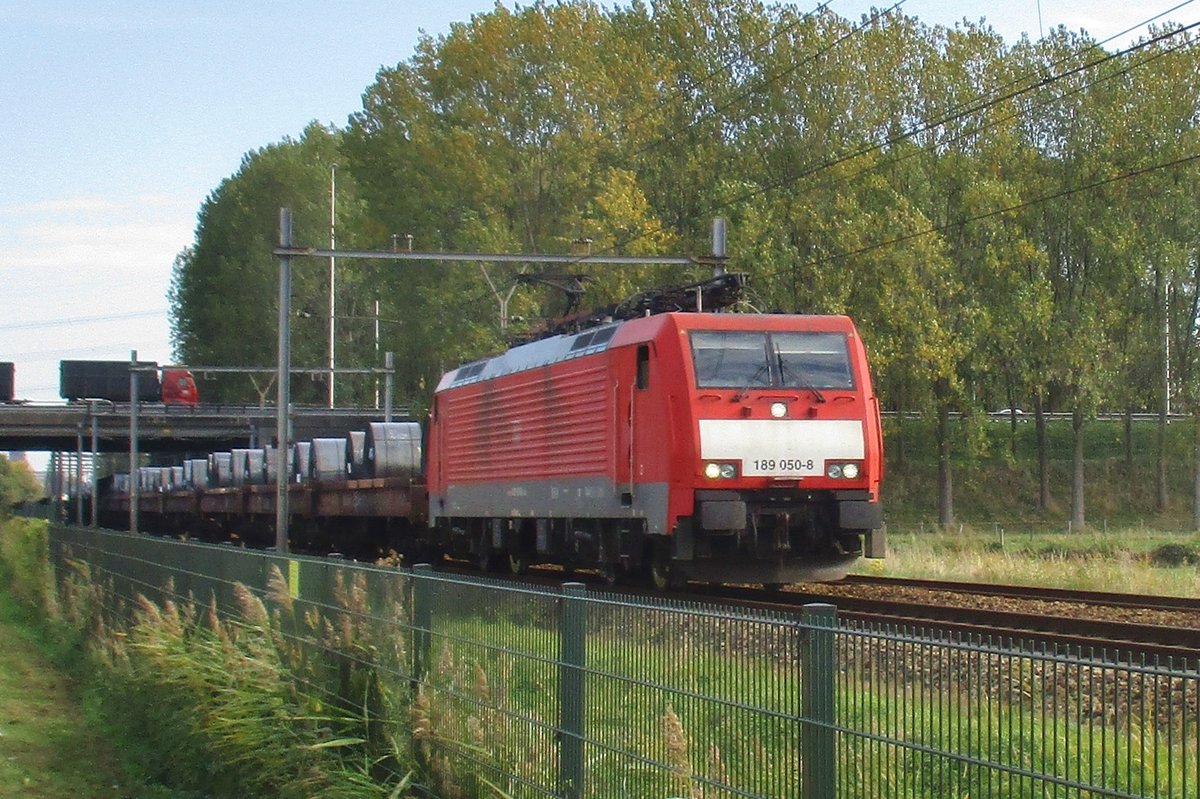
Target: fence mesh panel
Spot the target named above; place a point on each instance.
(495, 688)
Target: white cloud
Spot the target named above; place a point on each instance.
(92, 269)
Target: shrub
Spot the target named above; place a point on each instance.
(1173, 555)
(23, 562)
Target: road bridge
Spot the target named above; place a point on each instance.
(168, 428)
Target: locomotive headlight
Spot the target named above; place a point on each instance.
(720, 471)
(778, 409)
(842, 471)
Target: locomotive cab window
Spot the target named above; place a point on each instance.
(643, 366)
(812, 360)
(746, 360)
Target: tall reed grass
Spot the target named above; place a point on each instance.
(276, 695)
(234, 705)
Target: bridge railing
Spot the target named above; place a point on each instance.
(567, 692)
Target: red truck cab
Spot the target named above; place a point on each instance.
(179, 387)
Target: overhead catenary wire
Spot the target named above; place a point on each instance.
(893, 160)
(724, 66)
(925, 127)
(996, 212)
(746, 92)
(83, 320)
(980, 104)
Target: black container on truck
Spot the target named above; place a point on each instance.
(6, 381)
(106, 380)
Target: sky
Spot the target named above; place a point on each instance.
(120, 117)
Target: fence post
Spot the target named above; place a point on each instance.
(818, 766)
(572, 631)
(422, 621)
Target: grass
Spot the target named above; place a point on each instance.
(311, 696)
(213, 707)
(47, 750)
(1129, 560)
(1000, 535)
(51, 747)
(681, 706)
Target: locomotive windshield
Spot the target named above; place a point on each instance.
(736, 359)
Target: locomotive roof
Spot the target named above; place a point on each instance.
(556, 349)
(532, 355)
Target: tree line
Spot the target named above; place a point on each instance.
(1010, 224)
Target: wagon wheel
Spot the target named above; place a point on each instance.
(609, 573)
(486, 557)
(518, 562)
(663, 575)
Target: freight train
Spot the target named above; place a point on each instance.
(714, 447)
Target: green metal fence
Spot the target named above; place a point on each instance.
(516, 691)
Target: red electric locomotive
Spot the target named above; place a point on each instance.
(709, 446)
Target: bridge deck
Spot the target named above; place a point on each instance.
(168, 428)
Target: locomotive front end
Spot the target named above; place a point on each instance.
(788, 451)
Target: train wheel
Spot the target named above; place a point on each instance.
(609, 573)
(486, 560)
(663, 576)
(517, 563)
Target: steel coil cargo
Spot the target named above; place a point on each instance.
(222, 467)
(301, 463)
(327, 459)
(393, 449)
(240, 468)
(199, 477)
(256, 466)
(356, 454)
(271, 464)
(151, 478)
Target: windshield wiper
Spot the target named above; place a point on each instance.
(800, 376)
(742, 392)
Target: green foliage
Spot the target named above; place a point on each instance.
(17, 484)
(963, 199)
(1175, 555)
(223, 708)
(997, 478)
(535, 128)
(23, 565)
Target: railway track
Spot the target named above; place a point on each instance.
(1038, 619)
(1033, 618)
(1103, 598)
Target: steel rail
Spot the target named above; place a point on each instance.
(1119, 639)
(1104, 598)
